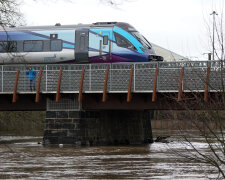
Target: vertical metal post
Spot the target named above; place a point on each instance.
(81, 86)
(24, 80)
(213, 13)
(214, 35)
(110, 77)
(70, 75)
(46, 78)
(90, 77)
(59, 85)
(2, 79)
(155, 85)
(130, 85)
(105, 85)
(158, 75)
(206, 92)
(15, 86)
(38, 86)
(179, 98)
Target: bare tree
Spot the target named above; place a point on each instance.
(10, 14)
(208, 124)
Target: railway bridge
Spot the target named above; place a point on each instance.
(103, 104)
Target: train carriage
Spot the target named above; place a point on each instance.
(103, 42)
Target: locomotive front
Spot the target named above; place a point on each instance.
(137, 42)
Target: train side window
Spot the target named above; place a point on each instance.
(105, 40)
(33, 46)
(3, 46)
(8, 46)
(123, 42)
(46, 45)
(56, 45)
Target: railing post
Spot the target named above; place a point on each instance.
(24, 80)
(15, 86)
(90, 77)
(2, 79)
(81, 85)
(155, 85)
(46, 78)
(38, 86)
(110, 76)
(130, 85)
(70, 74)
(206, 92)
(59, 85)
(158, 75)
(180, 85)
(105, 85)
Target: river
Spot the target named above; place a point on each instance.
(27, 159)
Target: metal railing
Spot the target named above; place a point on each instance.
(194, 79)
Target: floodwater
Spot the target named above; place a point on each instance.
(30, 160)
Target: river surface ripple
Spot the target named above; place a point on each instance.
(30, 160)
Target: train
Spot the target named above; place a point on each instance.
(101, 42)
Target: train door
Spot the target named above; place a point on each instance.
(106, 45)
(81, 45)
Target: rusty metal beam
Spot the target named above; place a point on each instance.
(155, 85)
(180, 85)
(37, 98)
(105, 85)
(141, 101)
(206, 92)
(130, 85)
(59, 85)
(81, 85)
(15, 86)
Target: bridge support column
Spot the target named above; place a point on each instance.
(108, 127)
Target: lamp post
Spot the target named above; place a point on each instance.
(214, 14)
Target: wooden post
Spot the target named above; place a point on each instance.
(155, 85)
(105, 85)
(206, 92)
(59, 85)
(81, 86)
(180, 85)
(38, 86)
(130, 85)
(15, 86)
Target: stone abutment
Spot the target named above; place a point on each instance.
(67, 123)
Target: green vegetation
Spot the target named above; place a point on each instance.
(24, 123)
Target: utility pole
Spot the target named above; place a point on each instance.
(214, 14)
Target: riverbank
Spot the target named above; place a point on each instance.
(32, 123)
(22, 123)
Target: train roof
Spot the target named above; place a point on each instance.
(122, 25)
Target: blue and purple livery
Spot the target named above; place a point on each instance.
(103, 42)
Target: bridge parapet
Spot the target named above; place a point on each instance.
(168, 77)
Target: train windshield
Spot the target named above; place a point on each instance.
(142, 39)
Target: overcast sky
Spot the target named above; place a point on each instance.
(178, 25)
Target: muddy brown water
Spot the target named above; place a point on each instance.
(30, 160)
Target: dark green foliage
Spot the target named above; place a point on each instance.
(22, 123)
